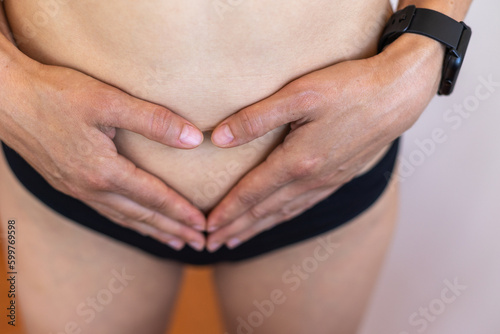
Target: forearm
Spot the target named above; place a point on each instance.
(8, 49)
(455, 9)
(4, 26)
(12, 64)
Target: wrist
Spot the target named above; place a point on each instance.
(16, 73)
(411, 69)
(452, 34)
(419, 55)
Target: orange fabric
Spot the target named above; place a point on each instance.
(197, 310)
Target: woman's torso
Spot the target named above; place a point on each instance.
(203, 59)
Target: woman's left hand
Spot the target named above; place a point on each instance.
(340, 117)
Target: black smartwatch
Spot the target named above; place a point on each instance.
(454, 35)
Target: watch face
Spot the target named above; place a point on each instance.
(453, 62)
(451, 67)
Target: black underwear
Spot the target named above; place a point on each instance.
(346, 203)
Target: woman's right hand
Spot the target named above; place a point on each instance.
(62, 122)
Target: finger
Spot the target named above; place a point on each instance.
(175, 243)
(239, 238)
(281, 206)
(143, 229)
(255, 229)
(284, 204)
(150, 192)
(152, 121)
(147, 222)
(259, 214)
(150, 231)
(227, 235)
(294, 208)
(306, 201)
(257, 185)
(287, 105)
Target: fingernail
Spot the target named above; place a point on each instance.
(212, 229)
(196, 245)
(223, 135)
(199, 228)
(176, 244)
(234, 242)
(213, 246)
(190, 136)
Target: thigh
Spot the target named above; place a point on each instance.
(73, 280)
(319, 286)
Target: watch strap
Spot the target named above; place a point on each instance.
(423, 21)
(454, 35)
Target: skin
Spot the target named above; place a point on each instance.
(205, 94)
(63, 264)
(82, 258)
(303, 172)
(78, 263)
(299, 173)
(142, 202)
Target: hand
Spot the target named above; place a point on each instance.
(340, 118)
(63, 123)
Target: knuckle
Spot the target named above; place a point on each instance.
(99, 183)
(287, 210)
(74, 189)
(116, 179)
(148, 218)
(82, 194)
(223, 218)
(100, 180)
(305, 95)
(160, 123)
(122, 220)
(182, 232)
(162, 203)
(248, 199)
(258, 213)
(251, 125)
(105, 101)
(292, 210)
(305, 167)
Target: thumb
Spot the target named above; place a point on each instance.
(153, 122)
(285, 106)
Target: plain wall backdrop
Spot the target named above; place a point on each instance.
(442, 275)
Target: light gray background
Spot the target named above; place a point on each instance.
(450, 218)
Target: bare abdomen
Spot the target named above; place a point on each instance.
(202, 63)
